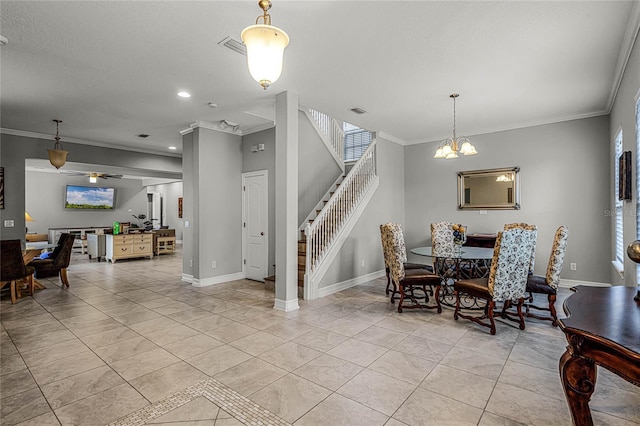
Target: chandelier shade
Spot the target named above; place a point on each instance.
(57, 155)
(451, 147)
(265, 48)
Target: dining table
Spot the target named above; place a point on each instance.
(461, 262)
(33, 250)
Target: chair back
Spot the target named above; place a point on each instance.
(442, 238)
(395, 250)
(510, 263)
(526, 226)
(11, 261)
(558, 250)
(62, 254)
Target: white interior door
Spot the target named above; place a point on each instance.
(255, 247)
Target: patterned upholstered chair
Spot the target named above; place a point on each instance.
(409, 283)
(58, 262)
(12, 268)
(407, 265)
(549, 283)
(442, 238)
(507, 279)
(525, 226)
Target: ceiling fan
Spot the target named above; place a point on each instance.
(93, 176)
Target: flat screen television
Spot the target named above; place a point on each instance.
(89, 198)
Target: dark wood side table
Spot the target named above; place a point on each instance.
(603, 329)
(481, 240)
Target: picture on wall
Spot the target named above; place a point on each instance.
(180, 207)
(624, 177)
(1, 187)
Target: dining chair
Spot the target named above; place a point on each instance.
(549, 283)
(507, 279)
(442, 238)
(520, 225)
(407, 265)
(407, 282)
(58, 262)
(13, 269)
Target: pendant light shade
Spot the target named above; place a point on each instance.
(57, 155)
(265, 48)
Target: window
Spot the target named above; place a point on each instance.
(356, 141)
(619, 257)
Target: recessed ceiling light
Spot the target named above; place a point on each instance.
(172, 148)
(184, 94)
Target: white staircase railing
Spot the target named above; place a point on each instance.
(326, 227)
(331, 129)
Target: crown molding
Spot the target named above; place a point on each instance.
(630, 36)
(44, 136)
(211, 126)
(391, 138)
(522, 125)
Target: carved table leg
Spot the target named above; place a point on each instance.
(579, 381)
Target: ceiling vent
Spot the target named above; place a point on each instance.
(358, 110)
(233, 44)
(143, 135)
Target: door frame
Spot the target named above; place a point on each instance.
(265, 248)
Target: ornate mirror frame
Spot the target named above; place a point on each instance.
(495, 189)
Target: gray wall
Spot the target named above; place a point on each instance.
(564, 181)
(14, 150)
(45, 202)
(387, 205)
(623, 117)
(264, 160)
(170, 194)
(317, 170)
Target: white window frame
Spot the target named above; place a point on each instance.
(618, 261)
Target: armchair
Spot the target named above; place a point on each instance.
(58, 262)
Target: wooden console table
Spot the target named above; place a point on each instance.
(603, 329)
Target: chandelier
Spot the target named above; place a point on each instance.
(449, 148)
(265, 48)
(57, 155)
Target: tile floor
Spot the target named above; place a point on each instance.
(131, 344)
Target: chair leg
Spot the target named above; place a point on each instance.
(63, 277)
(13, 285)
(401, 291)
(388, 280)
(552, 308)
(437, 297)
(455, 313)
(520, 314)
(30, 284)
(490, 305)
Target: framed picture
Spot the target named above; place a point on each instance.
(1, 187)
(180, 207)
(624, 176)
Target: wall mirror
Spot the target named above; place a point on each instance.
(497, 189)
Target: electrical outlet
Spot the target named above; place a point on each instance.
(191, 263)
(483, 212)
(362, 262)
(9, 223)
(574, 267)
(213, 264)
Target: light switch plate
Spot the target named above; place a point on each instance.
(9, 223)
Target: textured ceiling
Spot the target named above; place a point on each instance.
(111, 69)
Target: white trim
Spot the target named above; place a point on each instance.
(211, 126)
(324, 138)
(631, 32)
(187, 278)
(110, 145)
(258, 128)
(334, 288)
(572, 283)
(196, 282)
(619, 267)
(522, 125)
(391, 138)
(286, 305)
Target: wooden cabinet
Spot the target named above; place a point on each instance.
(164, 241)
(125, 246)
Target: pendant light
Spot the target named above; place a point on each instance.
(57, 155)
(265, 48)
(449, 148)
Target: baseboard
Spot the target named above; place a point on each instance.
(187, 277)
(205, 282)
(286, 305)
(572, 283)
(334, 288)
